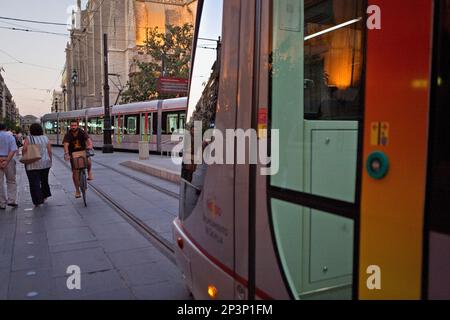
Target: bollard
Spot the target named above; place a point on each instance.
(144, 151)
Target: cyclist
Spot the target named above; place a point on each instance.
(77, 140)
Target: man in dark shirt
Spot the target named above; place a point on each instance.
(74, 141)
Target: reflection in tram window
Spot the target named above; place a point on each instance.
(333, 59)
(316, 75)
(202, 97)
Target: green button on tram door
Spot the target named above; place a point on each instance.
(377, 165)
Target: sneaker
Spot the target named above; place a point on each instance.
(14, 205)
(2, 208)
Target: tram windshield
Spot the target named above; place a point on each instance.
(203, 97)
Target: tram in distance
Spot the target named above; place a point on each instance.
(153, 121)
(360, 206)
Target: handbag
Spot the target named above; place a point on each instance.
(33, 153)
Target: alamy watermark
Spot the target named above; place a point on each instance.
(232, 147)
(374, 280)
(74, 280)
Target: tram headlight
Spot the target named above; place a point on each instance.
(212, 291)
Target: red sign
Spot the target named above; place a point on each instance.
(262, 116)
(173, 85)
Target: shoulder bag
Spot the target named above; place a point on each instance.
(33, 153)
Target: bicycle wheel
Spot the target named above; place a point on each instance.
(83, 185)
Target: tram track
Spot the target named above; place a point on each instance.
(149, 233)
(146, 183)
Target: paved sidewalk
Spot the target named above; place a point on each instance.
(155, 209)
(38, 245)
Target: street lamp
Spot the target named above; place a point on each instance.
(64, 91)
(56, 104)
(74, 82)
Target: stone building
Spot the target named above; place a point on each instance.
(125, 22)
(8, 110)
(27, 121)
(58, 101)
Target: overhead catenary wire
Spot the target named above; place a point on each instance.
(34, 21)
(26, 63)
(34, 31)
(62, 24)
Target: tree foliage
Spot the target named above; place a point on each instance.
(10, 124)
(169, 50)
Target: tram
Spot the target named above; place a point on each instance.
(152, 121)
(360, 206)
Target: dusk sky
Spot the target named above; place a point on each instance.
(32, 85)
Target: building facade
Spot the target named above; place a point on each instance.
(58, 103)
(27, 121)
(126, 23)
(9, 112)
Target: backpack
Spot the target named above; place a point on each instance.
(18, 143)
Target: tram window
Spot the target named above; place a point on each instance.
(92, 125)
(182, 121)
(333, 59)
(132, 125)
(316, 73)
(119, 125)
(100, 126)
(171, 122)
(155, 123)
(204, 89)
(149, 124)
(50, 127)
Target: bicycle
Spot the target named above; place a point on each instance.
(80, 163)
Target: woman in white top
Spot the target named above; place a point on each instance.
(38, 171)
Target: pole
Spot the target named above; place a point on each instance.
(75, 94)
(65, 103)
(57, 121)
(107, 141)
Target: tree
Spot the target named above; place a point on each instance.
(170, 54)
(10, 124)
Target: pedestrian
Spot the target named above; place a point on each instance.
(19, 140)
(8, 149)
(77, 140)
(38, 171)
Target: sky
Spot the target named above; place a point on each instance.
(32, 86)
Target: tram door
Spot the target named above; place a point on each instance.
(316, 106)
(147, 127)
(397, 104)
